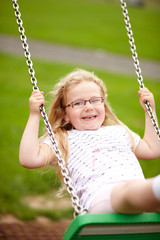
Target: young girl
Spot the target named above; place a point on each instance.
(101, 153)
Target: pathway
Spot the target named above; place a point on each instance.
(81, 57)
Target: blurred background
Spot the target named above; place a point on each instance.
(64, 35)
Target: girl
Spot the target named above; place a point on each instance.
(101, 153)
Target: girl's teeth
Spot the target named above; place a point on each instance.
(89, 117)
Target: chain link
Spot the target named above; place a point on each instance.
(65, 173)
(137, 66)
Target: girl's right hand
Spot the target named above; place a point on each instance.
(146, 95)
(35, 101)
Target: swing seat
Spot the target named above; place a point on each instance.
(114, 226)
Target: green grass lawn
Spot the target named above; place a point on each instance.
(86, 23)
(15, 89)
(81, 23)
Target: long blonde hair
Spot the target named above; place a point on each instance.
(57, 110)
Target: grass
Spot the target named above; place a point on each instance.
(87, 24)
(15, 89)
(82, 23)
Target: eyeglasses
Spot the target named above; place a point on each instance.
(81, 103)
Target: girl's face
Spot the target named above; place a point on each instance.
(87, 117)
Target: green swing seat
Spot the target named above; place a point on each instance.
(114, 226)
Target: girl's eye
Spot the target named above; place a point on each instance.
(78, 103)
(95, 100)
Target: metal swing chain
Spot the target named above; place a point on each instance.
(64, 171)
(137, 66)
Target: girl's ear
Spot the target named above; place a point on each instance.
(66, 118)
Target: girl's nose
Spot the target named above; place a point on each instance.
(88, 106)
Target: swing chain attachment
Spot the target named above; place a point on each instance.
(137, 65)
(78, 209)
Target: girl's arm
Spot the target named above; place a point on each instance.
(31, 154)
(149, 146)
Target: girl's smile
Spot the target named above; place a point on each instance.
(89, 115)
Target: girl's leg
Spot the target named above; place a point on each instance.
(102, 202)
(137, 196)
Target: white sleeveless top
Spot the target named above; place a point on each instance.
(101, 157)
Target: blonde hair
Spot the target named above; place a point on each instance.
(57, 110)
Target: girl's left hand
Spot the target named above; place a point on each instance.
(145, 95)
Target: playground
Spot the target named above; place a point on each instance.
(29, 206)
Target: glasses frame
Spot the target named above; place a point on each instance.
(84, 102)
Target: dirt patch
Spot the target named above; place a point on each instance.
(9, 218)
(45, 221)
(42, 202)
(33, 230)
(12, 228)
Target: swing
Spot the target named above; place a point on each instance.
(99, 226)
(114, 226)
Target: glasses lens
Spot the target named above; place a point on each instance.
(78, 104)
(93, 101)
(96, 101)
